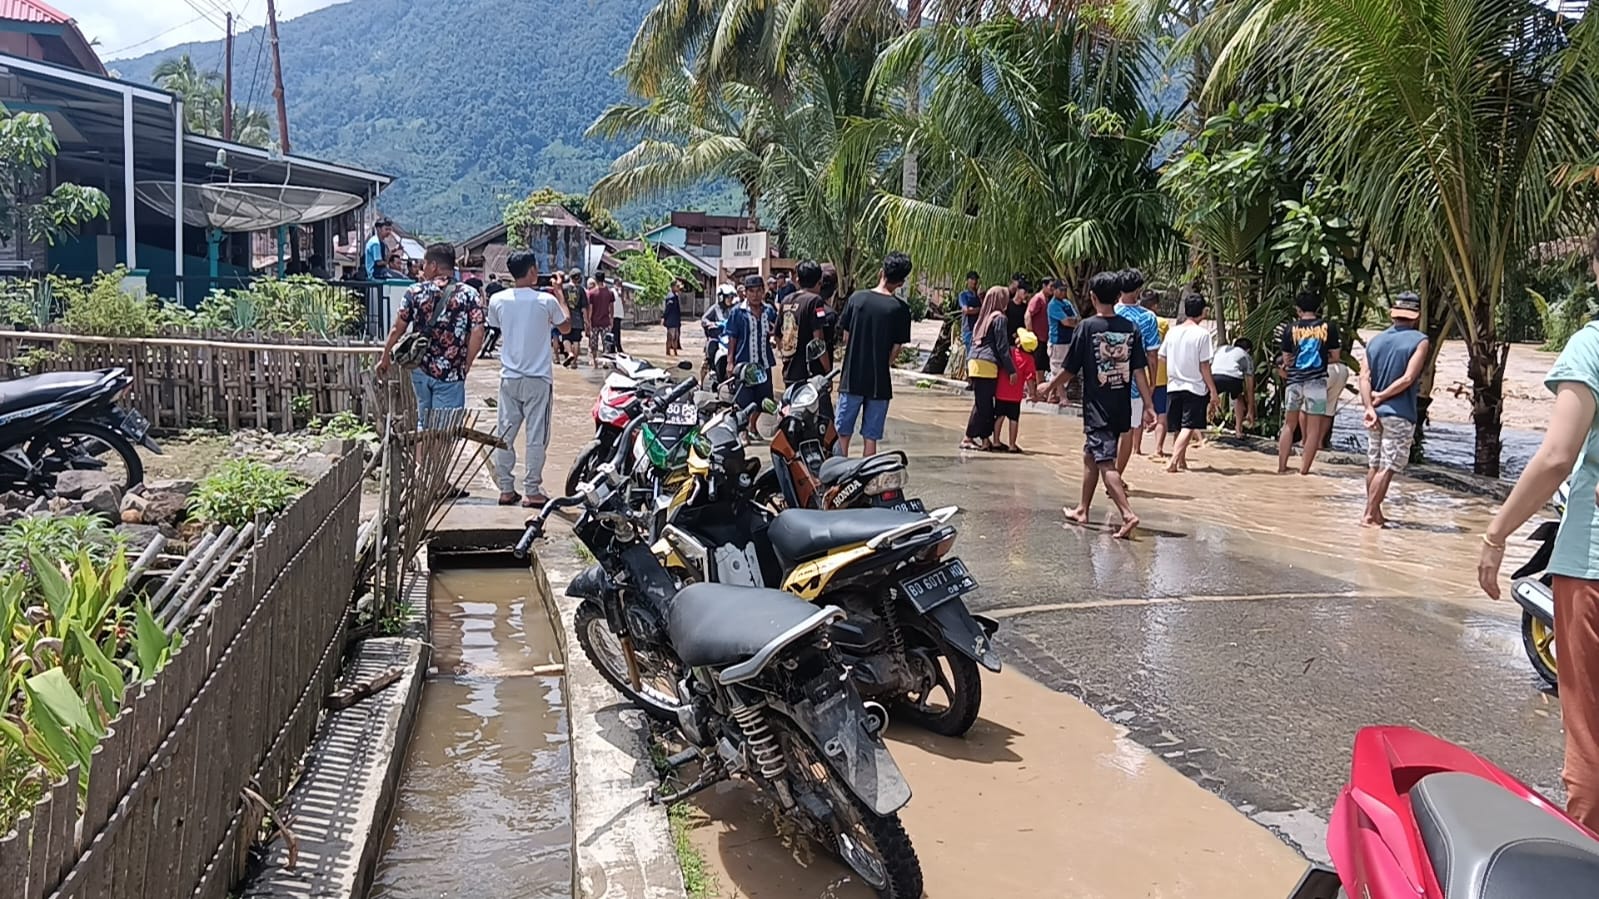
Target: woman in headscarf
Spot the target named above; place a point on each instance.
(991, 345)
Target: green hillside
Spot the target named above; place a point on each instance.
(468, 103)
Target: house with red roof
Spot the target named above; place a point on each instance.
(35, 30)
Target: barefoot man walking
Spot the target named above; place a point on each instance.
(1388, 385)
(1108, 353)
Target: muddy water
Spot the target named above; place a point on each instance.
(1446, 443)
(484, 803)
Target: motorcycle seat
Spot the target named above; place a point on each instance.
(838, 468)
(1486, 842)
(717, 625)
(36, 390)
(800, 535)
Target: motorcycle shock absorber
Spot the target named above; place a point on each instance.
(762, 742)
(896, 636)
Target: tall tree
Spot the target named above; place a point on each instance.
(1453, 124)
(201, 92)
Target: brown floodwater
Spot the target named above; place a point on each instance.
(484, 807)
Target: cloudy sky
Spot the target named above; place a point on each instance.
(136, 27)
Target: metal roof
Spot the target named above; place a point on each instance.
(32, 11)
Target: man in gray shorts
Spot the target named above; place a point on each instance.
(1309, 343)
(1388, 385)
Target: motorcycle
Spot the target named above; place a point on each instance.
(806, 475)
(55, 422)
(1533, 589)
(628, 378)
(1422, 818)
(751, 679)
(909, 638)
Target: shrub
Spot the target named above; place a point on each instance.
(240, 490)
(102, 308)
(299, 304)
(344, 425)
(1565, 316)
(57, 538)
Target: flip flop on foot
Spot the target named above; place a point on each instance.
(536, 501)
(1125, 532)
(1013, 448)
(510, 499)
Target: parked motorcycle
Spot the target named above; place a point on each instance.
(909, 638)
(1533, 589)
(749, 676)
(54, 422)
(806, 475)
(1422, 818)
(629, 377)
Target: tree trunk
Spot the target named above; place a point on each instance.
(911, 172)
(1437, 324)
(938, 360)
(1487, 370)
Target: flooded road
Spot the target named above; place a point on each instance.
(484, 804)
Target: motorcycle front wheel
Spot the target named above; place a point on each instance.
(874, 846)
(584, 465)
(87, 445)
(1538, 637)
(948, 705)
(658, 675)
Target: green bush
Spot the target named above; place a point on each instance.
(57, 538)
(1565, 316)
(240, 490)
(299, 304)
(102, 308)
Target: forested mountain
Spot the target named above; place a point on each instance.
(468, 103)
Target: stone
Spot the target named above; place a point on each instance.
(9, 517)
(181, 487)
(333, 446)
(134, 501)
(138, 536)
(74, 483)
(103, 500)
(310, 469)
(42, 504)
(132, 516)
(11, 499)
(162, 507)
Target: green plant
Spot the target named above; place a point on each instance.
(298, 304)
(302, 405)
(1565, 316)
(396, 620)
(240, 490)
(908, 355)
(654, 279)
(35, 359)
(58, 538)
(698, 881)
(348, 426)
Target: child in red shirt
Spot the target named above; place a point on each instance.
(1011, 388)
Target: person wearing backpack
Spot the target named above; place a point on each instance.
(437, 335)
(791, 338)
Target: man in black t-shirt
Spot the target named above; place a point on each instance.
(874, 324)
(811, 316)
(1108, 354)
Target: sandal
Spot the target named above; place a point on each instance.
(1013, 448)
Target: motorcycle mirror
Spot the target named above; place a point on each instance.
(685, 365)
(815, 350)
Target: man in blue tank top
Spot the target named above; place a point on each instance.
(1388, 386)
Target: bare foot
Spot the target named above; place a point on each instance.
(1077, 516)
(1282, 469)
(1371, 522)
(1173, 468)
(1125, 532)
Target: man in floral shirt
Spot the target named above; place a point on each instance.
(454, 342)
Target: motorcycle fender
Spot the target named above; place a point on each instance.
(1318, 883)
(1535, 597)
(148, 443)
(837, 726)
(592, 583)
(963, 631)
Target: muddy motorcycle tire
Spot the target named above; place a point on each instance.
(595, 636)
(965, 691)
(74, 435)
(1538, 639)
(583, 467)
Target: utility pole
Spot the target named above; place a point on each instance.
(277, 79)
(227, 86)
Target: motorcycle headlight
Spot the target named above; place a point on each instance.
(804, 398)
(888, 480)
(610, 414)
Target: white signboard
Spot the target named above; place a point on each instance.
(744, 250)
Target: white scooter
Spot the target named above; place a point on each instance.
(1532, 587)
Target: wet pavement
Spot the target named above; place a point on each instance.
(1223, 660)
(484, 802)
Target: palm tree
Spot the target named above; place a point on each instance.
(1035, 147)
(201, 93)
(1455, 125)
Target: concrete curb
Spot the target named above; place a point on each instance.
(622, 845)
(341, 804)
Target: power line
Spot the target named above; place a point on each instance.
(154, 37)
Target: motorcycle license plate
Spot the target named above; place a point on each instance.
(908, 505)
(682, 414)
(134, 425)
(930, 590)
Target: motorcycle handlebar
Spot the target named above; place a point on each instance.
(535, 528)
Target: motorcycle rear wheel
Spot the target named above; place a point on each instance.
(961, 684)
(1538, 638)
(874, 846)
(584, 466)
(604, 652)
(88, 445)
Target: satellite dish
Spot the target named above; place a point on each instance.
(246, 207)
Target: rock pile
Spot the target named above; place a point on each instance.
(158, 505)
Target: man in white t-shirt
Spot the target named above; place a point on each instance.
(525, 316)
(1190, 391)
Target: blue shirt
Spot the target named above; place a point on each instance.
(374, 254)
(1148, 324)
(754, 334)
(968, 300)
(1387, 357)
(1060, 333)
(1577, 545)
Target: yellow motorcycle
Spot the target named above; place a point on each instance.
(908, 637)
